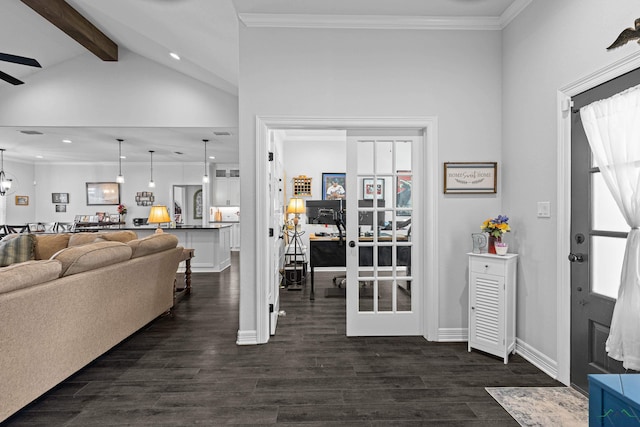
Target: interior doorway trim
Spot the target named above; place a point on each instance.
(563, 271)
(429, 236)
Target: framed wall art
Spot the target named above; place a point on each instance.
(103, 193)
(333, 186)
(61, 208)
(369, 189)
(470, 177)
(22, 200)
(59, 198)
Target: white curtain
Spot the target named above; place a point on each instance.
(613, 130)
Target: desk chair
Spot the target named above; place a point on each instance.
(11, 229)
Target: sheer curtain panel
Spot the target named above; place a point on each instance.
(613, 129)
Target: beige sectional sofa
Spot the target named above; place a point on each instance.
(83, 294)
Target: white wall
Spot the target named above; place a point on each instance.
(22, 174)
(453, 75)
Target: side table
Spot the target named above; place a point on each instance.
(187, 255)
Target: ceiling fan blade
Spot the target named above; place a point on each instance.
(10, 79)
(19, 60)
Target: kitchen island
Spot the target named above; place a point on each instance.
(212, 244)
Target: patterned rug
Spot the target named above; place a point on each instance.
(543, 406)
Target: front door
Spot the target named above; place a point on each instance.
(383, 268)
(598, 238)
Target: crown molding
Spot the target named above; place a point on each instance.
(384, 22)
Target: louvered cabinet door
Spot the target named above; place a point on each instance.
(492, 303)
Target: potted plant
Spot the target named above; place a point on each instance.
(496, 227)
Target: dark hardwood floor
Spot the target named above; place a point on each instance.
(187, 369)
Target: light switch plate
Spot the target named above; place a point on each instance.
(544, 209)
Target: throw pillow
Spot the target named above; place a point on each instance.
(18, 249)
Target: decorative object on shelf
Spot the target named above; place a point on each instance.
(103, 193)
(120, 177)
(333, 185)
(145, 198)
(122, 211)
(470, 177)
(151, 183)
(205, 177)
(58, 198)
(5, 183)
(479, 242)
(158, 215)
(368, 189)
(302, 186)
(496, 227)
(22, 200)
(501, 248)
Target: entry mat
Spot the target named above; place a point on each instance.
(543, 406)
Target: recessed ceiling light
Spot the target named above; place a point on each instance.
(212, 157)
(66, 141)
(174, 56)
(123, 157)
(39, 157)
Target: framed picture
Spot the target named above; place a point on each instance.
(22, 200)
(59, 198)
(114, 218)
(369, 189)
(103, 193)
(470, 177)
(333, 186)
(403, 193)
(61, 208)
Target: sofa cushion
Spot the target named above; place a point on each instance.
(49, 244)
(77, 259)
(123, 236)
(78, 239)
(152, 244)
(29, 273)
(17, 249)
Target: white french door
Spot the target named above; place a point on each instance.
(384, 286)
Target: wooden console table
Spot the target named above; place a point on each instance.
(187, 255)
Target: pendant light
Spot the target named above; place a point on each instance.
(5, 183)
(205, 177)
(120, 178)
(151, 183)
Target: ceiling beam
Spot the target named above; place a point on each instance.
(69, 20)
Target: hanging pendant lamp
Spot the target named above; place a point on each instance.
(120, 177)
(205, 177)
(151, 183)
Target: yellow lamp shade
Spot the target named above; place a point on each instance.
(296, 206)
(158, 214)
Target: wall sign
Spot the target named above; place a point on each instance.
(470, 178)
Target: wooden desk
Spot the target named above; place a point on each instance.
(331, 252)
(187, 255)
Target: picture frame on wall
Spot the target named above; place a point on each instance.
(404, 199)
(470, 177)
(334, 186)
(369, 191)
(61, 208)
(103, 193)
(59, 198)
(22, 200)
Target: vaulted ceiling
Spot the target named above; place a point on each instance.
(205, 34)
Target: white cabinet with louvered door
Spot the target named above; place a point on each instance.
(492, 303)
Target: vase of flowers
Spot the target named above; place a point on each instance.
(496, 227)
(122, 210)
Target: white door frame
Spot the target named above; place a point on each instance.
(563, 269)
(431, 182)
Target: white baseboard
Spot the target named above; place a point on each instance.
(452, 334)
(247, 338)
(539, 360)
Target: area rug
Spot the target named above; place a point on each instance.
(543, 406)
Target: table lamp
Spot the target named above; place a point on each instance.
(158, 215)
(296, 206)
